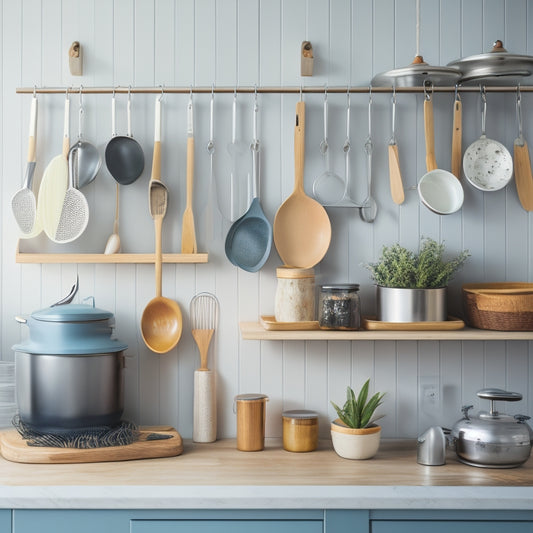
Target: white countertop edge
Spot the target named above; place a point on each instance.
(265, 497)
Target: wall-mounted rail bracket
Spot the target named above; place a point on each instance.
(307, 59)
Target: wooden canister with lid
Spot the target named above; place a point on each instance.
(295, 294)
(300, 430)
(251, 411)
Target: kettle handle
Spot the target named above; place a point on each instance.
(499, 394)
(21, 320)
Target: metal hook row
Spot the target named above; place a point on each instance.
(257, 90)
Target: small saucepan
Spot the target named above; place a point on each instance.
(439, 190)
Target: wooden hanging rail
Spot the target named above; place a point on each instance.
(272, 90)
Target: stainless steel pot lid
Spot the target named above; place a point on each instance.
(497, 67)
(416, 75)
(71, 313)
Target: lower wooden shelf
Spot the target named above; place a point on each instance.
(22, 257)
(254, 331)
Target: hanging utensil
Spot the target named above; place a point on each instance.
(23, 203)
(124, 160)
(523, 177)
(233, 207)
(161, 321)
(395, 175)
(439, 190)
(124, 156)
(204, 318)
(369, 207)
(209, 207)
(302, 229)
(328, 188)
(188, 233)
(249, 240)
(457, 135)
(75, 213)
(487, 164)
(55, 182)
(86, 159)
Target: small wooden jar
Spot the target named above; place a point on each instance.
(251, 411)
(300, 430)
(295, 294)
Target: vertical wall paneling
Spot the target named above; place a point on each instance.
(237, 42)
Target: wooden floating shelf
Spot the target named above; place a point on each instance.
(22, 257)
(254, 331)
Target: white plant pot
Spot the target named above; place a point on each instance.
(353, 443)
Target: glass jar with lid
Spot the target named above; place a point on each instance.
(339, 307)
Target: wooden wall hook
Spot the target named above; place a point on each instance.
(307, 59)
(75, 59)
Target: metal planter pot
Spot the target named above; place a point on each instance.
(411, 305)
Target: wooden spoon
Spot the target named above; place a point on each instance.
(161, 321)
(395, 175)
(302, 229)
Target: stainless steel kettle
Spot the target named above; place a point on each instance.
(492, 439)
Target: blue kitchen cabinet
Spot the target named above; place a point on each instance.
(179, 521)
(5, 521)
(264, 521)
(451, 521)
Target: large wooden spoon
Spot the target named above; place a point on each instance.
(161, 322)
(302, 229)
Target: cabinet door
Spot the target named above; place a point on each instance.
(226, 526)
(447, 526)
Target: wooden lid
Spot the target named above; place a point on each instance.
(287, 272)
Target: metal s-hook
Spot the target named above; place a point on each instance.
(457, 95)
(427, 94)
(162, 93)
(519, 114)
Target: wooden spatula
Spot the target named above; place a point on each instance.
(395, 175)
(522, 164)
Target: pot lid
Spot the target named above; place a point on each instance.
(250, 397)
(300, 414)
(417, 74)
(498, 67)
(71, 313)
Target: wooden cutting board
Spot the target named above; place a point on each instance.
(14, 448)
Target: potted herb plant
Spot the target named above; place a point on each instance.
(411, 287)
(355, 435)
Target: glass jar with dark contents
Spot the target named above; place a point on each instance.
(339, 307)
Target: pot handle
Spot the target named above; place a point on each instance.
(21, 320)
(499, 394)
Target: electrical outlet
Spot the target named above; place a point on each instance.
(429, 403)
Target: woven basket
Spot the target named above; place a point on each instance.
(499, 306)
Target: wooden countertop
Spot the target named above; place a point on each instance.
(221, 464)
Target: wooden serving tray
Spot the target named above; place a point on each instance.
(14, 448)
(270, 323)
(451, 324)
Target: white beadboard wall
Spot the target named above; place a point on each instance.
(257, 42)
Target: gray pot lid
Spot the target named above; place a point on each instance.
(300, 414)
(416, 75)
(497, 67)
(71, 313)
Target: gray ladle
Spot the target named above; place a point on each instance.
(249, 239)
(86, 159)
